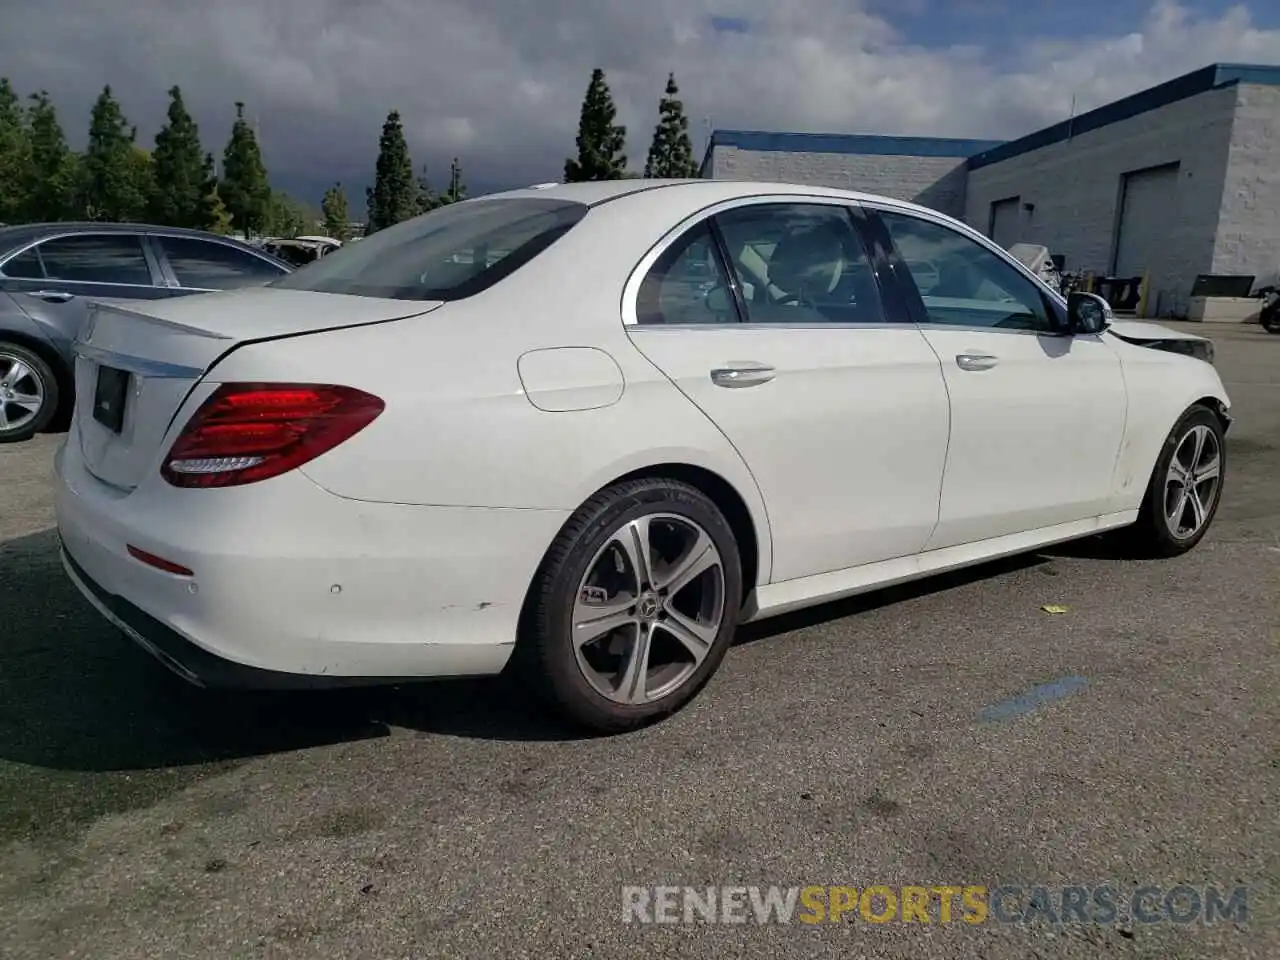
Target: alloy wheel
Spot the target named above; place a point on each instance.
(648, 609)
(21, 393)
(1192, 483)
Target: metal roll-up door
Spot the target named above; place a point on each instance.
(1148, 205)
(1006, 222)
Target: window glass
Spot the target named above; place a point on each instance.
(801, 263)
(687, 284)
(98, 258)
(25, 266)
(207, 265)
(963, 283)
(454, 251)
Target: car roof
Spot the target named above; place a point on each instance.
(697, 191)
(21, 234)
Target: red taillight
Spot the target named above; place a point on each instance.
(246, 432)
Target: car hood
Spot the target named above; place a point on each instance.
(1140, 331)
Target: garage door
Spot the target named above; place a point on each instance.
(1148, 208)
(1006, 225)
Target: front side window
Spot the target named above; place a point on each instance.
(961, 282)
(687, 284)
(453, 252)
(101, 258)
(206, 265)
(800, 263)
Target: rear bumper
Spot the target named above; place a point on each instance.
(292, 586)
(192, 663)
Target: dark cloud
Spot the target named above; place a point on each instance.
(499, 82)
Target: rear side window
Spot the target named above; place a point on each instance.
(452, 252)
(102, 258)
(25, 266)
(206, 265)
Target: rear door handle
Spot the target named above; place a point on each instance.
(976, 361)
(54, 296)
(746, 374)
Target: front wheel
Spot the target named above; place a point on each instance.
(28, 393)
(1185, 488)
(1271, 318)
(634, 605)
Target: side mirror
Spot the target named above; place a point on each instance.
(1087, 313)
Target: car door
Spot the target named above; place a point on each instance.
(54, 281)
(1037, 416)
(768, 316)
(197, 265)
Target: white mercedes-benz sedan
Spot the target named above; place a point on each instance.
(587, 430)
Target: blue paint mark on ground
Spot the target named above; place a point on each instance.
(1036, 696)
(730, 24)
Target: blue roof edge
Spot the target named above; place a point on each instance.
(982, 153)
(1213, 77)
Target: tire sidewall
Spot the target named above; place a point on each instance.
(558, 653)
(1158, 521)
(50, 383)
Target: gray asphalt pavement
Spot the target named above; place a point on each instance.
(869, 742)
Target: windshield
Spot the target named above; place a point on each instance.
(452, 252)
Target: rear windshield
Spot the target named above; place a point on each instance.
(452, 252)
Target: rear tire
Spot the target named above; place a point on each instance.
(1185, 488)
(28, 393)
(633, 607)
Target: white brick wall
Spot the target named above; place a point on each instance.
(1248, 239)
(937, 182)
(1075, 186)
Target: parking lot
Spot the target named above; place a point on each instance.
(864, 743)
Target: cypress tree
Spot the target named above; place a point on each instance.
(50, 192)
(245, 190)
(180, 172)
(671, 153)
(394, 195)
(600, 141)
(15, 155)
(110, 188)
(336, 216)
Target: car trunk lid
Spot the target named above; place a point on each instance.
(136, 362)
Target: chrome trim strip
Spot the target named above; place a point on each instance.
(150, 369)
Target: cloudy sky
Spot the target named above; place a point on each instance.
(499, 82)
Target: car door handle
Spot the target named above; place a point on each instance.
(54, 296)
(748, 374)
(976, 361)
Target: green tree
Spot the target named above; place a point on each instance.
(285, 216)
(110, 187)
(217, 217)
(245, 189)
(457, 189)
(425, 197)
(15, 155)
(600, 141)
(50, 191)
(394, 195)
(671, 153)
(336, 216)
(181, 175)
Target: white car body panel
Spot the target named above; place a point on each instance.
(408, 550)
(1020, 457)
(872, 490)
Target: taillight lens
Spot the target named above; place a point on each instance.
(246, 432)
